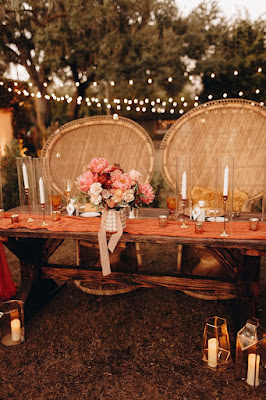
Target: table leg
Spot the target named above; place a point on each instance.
(248, 285)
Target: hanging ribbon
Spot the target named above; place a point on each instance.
(114, 239)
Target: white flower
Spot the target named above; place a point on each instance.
(106, 194)
(134, 175)
(128, 195)
(96, 199)
(96, 188)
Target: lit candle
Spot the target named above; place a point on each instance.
(212, 352)
(226, 179)
(15, 330)
(42, 198)
(253, 365)
(25, 176)
(184, 186)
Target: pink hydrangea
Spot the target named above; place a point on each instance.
(98, 165)
(122, 181)
(86, 180)
(147, 190)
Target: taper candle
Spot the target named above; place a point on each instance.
(42, 197)
(25, 176)
(184, 186)
(226, 180)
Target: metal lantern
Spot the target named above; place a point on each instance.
(12, 330)
(251, 354)
(216, 346)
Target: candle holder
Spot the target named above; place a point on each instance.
(251, 354)
(12, 322)
(224, 234)
(184, 214)
(44, 223)
(43, 191)
(27, 187)
(224, 194)
(216, 346)
(183, 185)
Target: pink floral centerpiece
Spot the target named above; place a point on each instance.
(108, 186)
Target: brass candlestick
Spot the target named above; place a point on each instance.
(44, 223)
(224, 234)
(184, 214)
(28, 202)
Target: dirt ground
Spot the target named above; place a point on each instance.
(145, 344)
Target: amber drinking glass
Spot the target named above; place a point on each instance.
(171, 201)
(56, 201)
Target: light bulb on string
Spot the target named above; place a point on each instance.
(170, 79)
(182, 98)
(131, 82)
(181, 111)
(240, 93)
(196, 98)
(172, 111)
(210, 96)
(150, 81)
(235, 72)
(259, 69)
(257, 91)
(212, 75)
(224, 95)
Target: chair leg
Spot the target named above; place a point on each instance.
(179, 257)
(138, 255)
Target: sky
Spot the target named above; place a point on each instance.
(229, 7)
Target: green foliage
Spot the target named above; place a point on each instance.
(9, 175)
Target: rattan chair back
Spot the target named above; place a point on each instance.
(229, 127)
(119, 140)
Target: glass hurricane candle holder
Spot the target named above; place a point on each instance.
(224, 193)
(251, 354)
(12, 330)
(43, 188)
(216, 346)
(183, 185)
(26, 184)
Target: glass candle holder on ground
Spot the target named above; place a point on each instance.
(251, 354)
(12, 330)
(216, 346)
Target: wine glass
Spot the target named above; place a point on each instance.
(56, 201)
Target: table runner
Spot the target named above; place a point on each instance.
(8, 288)
(239, 230)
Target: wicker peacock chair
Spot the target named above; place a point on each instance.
(218, 128)
(117, 139)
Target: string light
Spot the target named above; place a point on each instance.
(240, 93)
(213, 75)
(131, 82)
(235, 72)
(149, 80)
(224, 95)
(259, 69)
(257, 91)
(210, 96)
(112, 83)
(170, 79)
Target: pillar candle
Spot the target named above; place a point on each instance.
(184, 186)
(42, 198)
(212, 352)
(15, 330)
(25, 176)
(253, 364)
(226, 180)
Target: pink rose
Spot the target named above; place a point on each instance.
(86, 180)
(98, 165)
(134, 175)
(122, 181)
(147, 190)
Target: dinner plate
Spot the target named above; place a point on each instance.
(90, 214)
(217, 219)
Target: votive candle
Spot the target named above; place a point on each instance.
(212, 352)
(253, 367)
(15, 330)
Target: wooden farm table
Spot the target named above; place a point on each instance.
(241, 253)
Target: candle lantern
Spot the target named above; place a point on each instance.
(216, 346)
(224, 194)
(12, 330)
(251, 354)
(26, 184)
(183, 187)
